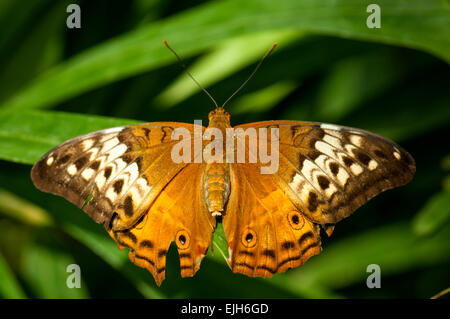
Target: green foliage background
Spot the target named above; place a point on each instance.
(57, 83)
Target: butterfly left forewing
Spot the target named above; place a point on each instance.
(113, 174)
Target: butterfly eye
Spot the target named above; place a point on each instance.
(183, 239)
(249, 238)
(295, 220)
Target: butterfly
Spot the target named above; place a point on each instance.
(126, 178)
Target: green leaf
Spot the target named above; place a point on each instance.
(357, 79)
(102, 245)
(26, 136)
(9, 287)
(99, 242)
(44, 266)
(394, 248)
(409, 111)
(40, 49)
(141, 50)
(227, 58)
(14, 17)
(21, 209)
(434, 215)
(220, 244)
(446, 163)
(263, 100)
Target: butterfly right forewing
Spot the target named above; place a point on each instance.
(328, 171)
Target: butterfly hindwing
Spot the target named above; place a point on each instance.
(266, 233)
(113, 174)
(170, 219)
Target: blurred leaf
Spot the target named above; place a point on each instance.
(446, 163)
(105, 247)
(228, 57)
(100, 243)
(141, 50)
(357, 79)
(408, 123)
(408, 111)
(394, 248)
(296, 63)
(26, 136)
(435, 214)
(446, 183)
(45, 268)
(39, 50)
(21, 209)
(15, 17)
(304, 289)
(263, 100)
(9, 287)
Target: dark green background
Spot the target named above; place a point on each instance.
(57, 83)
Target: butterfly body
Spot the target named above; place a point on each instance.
(146, 200)
(217, 175)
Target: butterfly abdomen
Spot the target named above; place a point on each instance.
(217, 187)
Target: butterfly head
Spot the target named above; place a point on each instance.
(219, 117)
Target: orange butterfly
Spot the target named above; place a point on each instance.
(127, 179)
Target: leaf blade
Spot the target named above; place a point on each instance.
(26, 136)
(141, 50)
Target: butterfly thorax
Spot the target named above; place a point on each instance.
(219, 118)
(217, 175)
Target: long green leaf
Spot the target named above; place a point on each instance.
(411, 23)
(98, 242)
(394, 248)
(434, 215)
(107, 249)
(21, 209)
(35, 53)
(45, 266)
(9, 286)
(360, 78)
(223, 61)
(26, 136)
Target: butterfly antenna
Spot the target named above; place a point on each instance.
(251, 75)
(188, 73)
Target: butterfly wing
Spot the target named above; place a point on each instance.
(179, 214)
(325, 172)
(113, 174)
(329, 171)
(266, 233)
